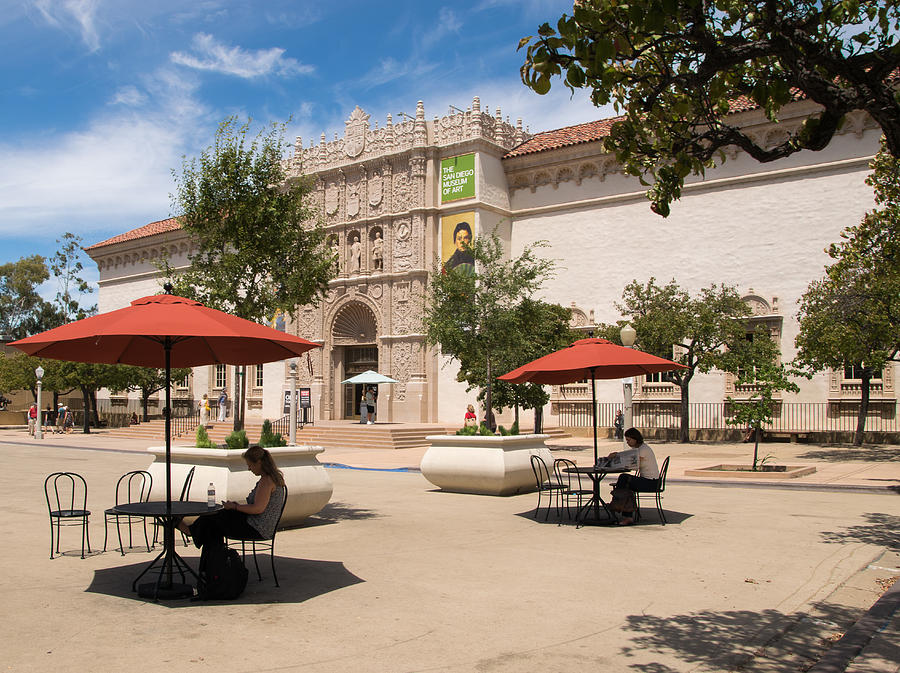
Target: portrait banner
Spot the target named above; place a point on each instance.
(457, 232)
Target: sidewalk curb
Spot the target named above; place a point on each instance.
(839, 657)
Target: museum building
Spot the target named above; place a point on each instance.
(394, 199)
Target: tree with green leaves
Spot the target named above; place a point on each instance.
(66, 267)
(259, 247)
(851, 316)
(757, 364)
(473, 316)
(542, 328)
(147, 381)
(675, 69)
(700, 329)
(19, 297)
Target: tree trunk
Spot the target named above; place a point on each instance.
(538, 419)
(685, 412)
(145, 405)
(86, 403)
(756, 433)
(863, 407)
(94, 411)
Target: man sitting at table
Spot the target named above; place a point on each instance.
(646, 476)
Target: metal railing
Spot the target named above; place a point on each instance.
(184, 420)
(282, 426)
(790, 416)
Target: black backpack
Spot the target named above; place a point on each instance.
(222, 576)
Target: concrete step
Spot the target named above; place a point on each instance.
(329, 434)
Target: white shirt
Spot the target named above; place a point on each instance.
(643, 459)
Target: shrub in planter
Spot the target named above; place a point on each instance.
(203, 441)
(267, 438)
(237, 440)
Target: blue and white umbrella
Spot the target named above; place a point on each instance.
(370, 376)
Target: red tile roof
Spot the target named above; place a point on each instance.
(569, 135)
(160, 227)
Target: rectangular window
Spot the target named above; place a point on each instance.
(220, 376)
(661, 377)
(854, 372)
(259, 376)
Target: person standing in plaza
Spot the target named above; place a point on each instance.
(223, 405)
(60, 418)
(471, 418)
(370, 405)
(32, 419)
(204, 410)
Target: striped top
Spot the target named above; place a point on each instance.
(265, 522)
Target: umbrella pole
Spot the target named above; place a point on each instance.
(594, 410)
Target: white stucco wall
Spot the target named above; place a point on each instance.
(767, 232)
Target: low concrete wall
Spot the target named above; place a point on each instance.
(482, 464)
(309, 486)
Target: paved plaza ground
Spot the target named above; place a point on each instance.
(396, 576)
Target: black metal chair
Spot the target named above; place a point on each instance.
(68, 490)
(264, 545)
(185, 493)
(657, 494)
(545, 484)
(572, 482)
(134, 486)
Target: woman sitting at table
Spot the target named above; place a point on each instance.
(254, 520)
(646, 476)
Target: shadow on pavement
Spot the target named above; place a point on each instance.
(340, 511)
(880, 529)
(649, 518)
(730, 640)
(853, 454)
(301, 580)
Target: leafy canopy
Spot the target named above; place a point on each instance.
(259, 247)
(675, 68)
(477, 318)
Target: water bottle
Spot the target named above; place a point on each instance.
(211, 495)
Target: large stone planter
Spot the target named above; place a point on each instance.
(309, 486)
(482, 464)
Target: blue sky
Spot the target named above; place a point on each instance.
(101, 99)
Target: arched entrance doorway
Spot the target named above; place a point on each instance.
(355, 349)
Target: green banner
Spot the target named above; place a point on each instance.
(458, 178)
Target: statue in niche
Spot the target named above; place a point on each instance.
(355, 251)
(378, 251)
(335, 254)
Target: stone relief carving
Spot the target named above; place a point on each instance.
(332, 194)
(403, 246)
(353, 199)
(401, 353)
(375, 188)
(355, 129)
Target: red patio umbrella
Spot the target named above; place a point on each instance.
(589, 359)
(165, 331)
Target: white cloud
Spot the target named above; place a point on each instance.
(128, 95)
(82, 12)
(447, 24)
(210, 54)
(112, 175)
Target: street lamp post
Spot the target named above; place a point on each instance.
(292, 415)
(38, 432)
(627, 334)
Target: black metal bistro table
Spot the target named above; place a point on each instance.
(168, 561)
(596, 502)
